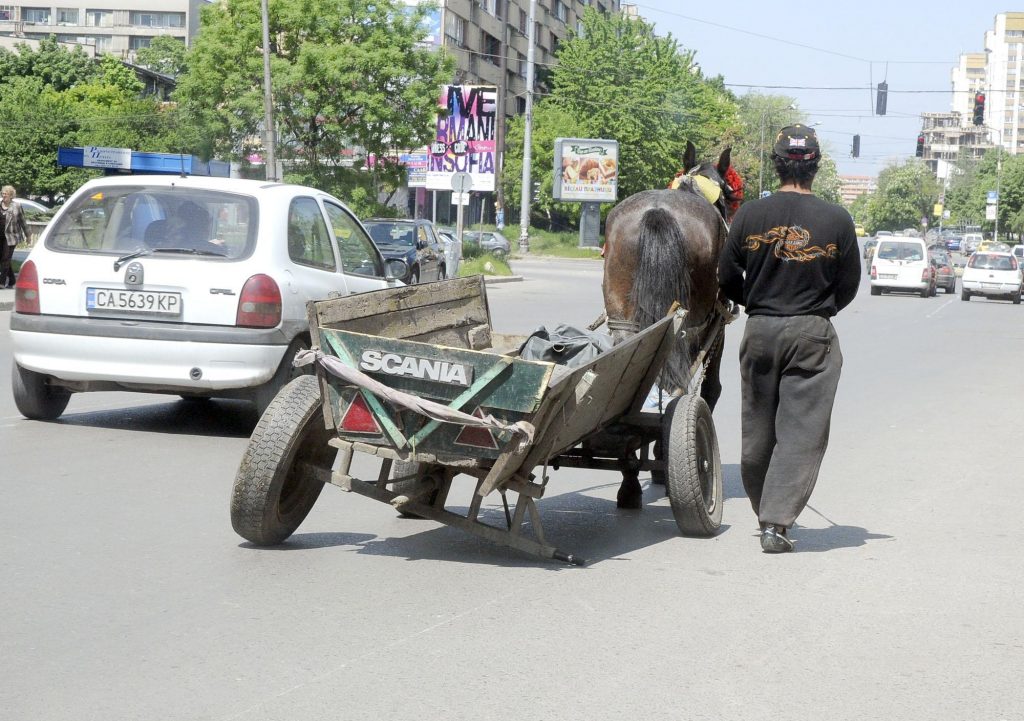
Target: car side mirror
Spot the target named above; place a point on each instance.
(421, 244)
(395, 269)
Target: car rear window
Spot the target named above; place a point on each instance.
(123, 219)
(392, 233)
(899, 250)
(987, 261)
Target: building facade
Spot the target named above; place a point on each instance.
(852, 187)
(949, 137)
(1004, 50)
(119, 27)
(968, 78)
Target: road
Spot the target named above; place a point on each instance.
(126, 594)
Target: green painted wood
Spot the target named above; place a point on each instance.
(472, 392)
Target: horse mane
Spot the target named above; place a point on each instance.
(661, 246)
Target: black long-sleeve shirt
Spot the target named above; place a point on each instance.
(791, 254)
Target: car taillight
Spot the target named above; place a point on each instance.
(260, 303)
(26, 290)
(874, 273)
(926, 274)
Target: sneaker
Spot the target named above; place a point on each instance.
(772, 541)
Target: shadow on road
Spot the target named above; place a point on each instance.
(818, 540)
(194, 417)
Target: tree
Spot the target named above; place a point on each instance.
(53, 64)
(343, 73)
(616, 79)
(165, 55)
(906, 193)
(761, 116)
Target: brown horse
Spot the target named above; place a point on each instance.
(662, 246)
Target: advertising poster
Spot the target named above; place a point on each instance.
(415, 168)
(465, 141)
(586, 170)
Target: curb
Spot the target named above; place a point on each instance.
(490, 280)
(6, 305)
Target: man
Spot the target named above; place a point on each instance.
(792, 261)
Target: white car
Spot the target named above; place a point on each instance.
(192, 286)
(901, 263)
(993, 275)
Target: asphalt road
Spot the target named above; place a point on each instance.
(126, 595)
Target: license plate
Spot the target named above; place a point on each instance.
(887, 276)
(146, 302)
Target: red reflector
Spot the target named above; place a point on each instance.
(358, 418)
(26, 290)
(259, 306)
(874, 273)
(476, 436)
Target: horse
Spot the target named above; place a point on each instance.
(662, 246)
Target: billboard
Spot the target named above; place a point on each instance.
(465, 140)
(586, 169)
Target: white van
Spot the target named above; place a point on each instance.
(901, 264)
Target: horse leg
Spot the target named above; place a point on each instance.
(630, 494)
(711, 388)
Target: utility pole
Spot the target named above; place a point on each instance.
(524, 220)
(499, 136)
(268, 98)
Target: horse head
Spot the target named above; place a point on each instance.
(722, 185)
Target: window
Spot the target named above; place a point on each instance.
(138, 41)
(358, 254)
(40, 16)
(99, 19)
(561, 12)
(489, 6)
(6, 12)
(455, 29)
(104, 43)
(522, 21)
(491, 48)
(146, 19)
(308, 240)
(67, 16)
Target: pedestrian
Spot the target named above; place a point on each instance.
(791, 259)
(13, 230)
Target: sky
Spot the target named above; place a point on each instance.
(758, 46)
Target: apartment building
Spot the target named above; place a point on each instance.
(852, 187)
(488, 39)
(108, 26)
(948, 137)
(1004, 50)
(968, 78)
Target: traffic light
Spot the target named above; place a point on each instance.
(880, 98)
(920, 146)
(979, 108)
(856, 146)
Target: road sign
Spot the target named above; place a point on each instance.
(462, 183)
(993, 197)
(460, 198)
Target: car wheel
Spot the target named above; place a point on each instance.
(964, 295)
(876, 290)
(35, 398)
(1016, 298)
(926, 292)
(951, 288)
(499, 253)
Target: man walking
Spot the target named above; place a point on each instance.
(792, 261)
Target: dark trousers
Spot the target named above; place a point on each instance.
(790, 368)
(6, 253)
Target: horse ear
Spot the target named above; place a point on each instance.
(690, 156)
(724, 161)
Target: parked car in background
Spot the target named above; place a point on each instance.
(1018, 252)
(859, 229)
(987, 246)
(192, 286)
(993, 275)
(414, 241)
(945, 270)
(452, 252)
(487, 241)
(971, 242)
(32, 206)
(901, 264)
(954, 241)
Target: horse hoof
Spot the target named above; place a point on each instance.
(633, 500)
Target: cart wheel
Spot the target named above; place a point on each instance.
(272, 494)
(408, 468)
(693, 469)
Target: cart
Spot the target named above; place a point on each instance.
(416, 378)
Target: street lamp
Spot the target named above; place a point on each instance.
(999, 175)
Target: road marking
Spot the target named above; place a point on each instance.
(940, 308)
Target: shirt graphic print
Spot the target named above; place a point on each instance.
(791, 243)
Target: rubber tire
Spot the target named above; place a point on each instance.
(1016, 298)
(270, 498)
(926, 293)
(964, 295)
(36, 399)
(499, 253)
(285, 373)
(951, 289)
(876, 290)
(407, 468)
(693, 467)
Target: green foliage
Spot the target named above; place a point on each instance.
(344, 73)
(618, 80)
(906, 193)
(51, 63)
(165, 54)
(761, 117)
(484, 265)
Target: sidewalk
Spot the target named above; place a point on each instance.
(6, 299)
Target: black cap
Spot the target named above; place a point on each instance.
(797, 142)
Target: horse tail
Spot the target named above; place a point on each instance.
(662, 277)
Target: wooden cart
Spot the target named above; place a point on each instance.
(415, 377)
